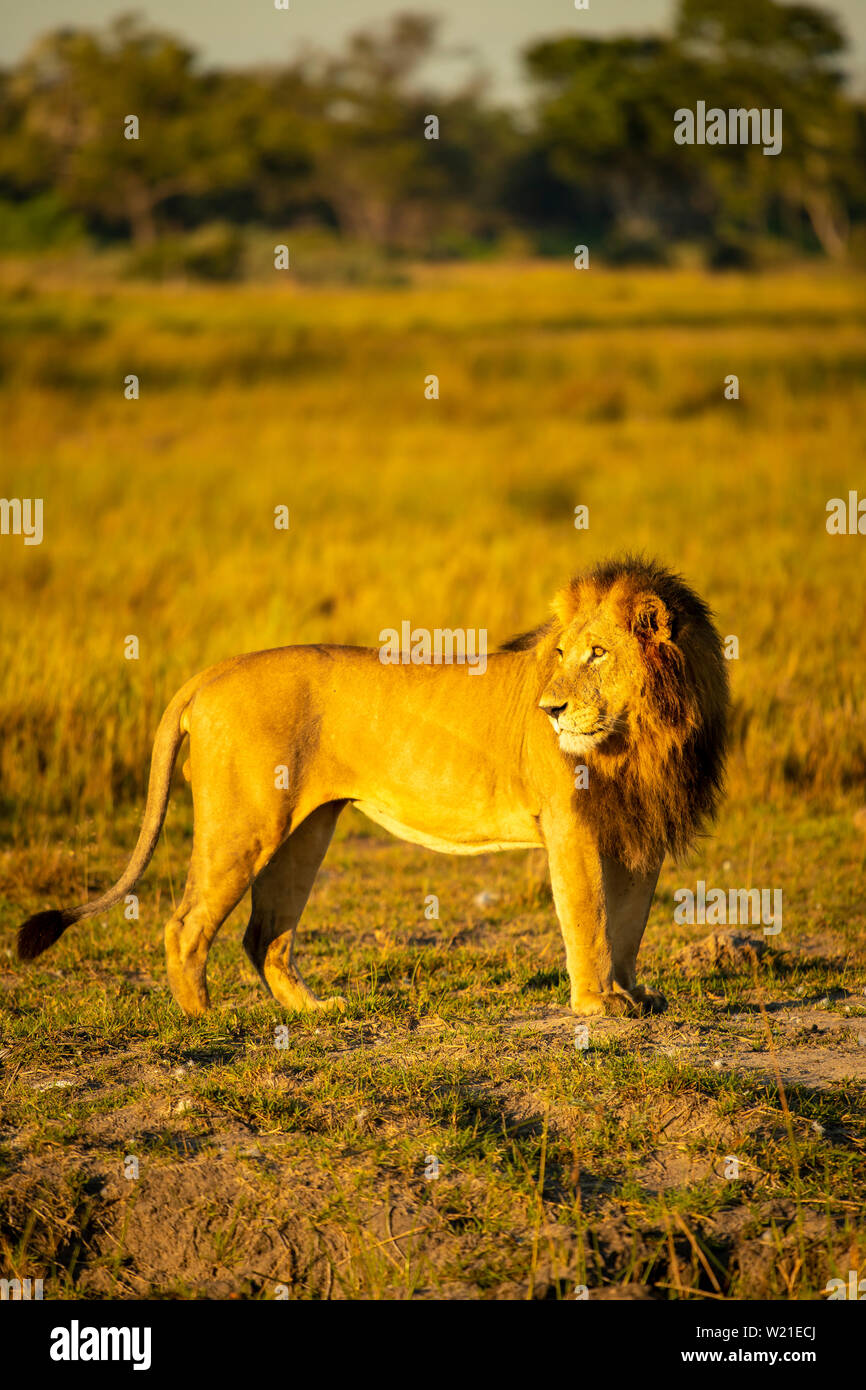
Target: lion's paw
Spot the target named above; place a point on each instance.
(590, 1004)
(617, 1002)
(652, 1001)
(587, 1005)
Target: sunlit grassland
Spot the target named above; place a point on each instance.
(556, 388)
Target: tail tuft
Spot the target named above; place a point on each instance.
(41, 931)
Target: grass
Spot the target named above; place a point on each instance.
(309, 1166)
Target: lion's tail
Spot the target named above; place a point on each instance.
(44, 928)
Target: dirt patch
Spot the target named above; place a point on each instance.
(723, 953)
(237, 1225)
(807, 1046)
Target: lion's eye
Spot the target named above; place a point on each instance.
(598, 652)
(559, 652)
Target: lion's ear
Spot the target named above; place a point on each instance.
(651, 620)
(566, 604)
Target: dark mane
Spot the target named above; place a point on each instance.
(663, 789)
(645, 572)
(525, 641)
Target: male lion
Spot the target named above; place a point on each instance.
(627, 679)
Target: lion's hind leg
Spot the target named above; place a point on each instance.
(217, 880)
(279, 896)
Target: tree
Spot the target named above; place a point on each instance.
(385, 181)
(765, 54)
(604, 122)
(79, 88)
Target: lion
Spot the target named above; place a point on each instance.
(599, 736)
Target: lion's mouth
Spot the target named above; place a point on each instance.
(597, 731)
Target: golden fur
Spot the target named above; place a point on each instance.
(625, 683)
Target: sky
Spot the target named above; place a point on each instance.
(241, 32)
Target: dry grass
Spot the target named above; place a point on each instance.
(557, 388)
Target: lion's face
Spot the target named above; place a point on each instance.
(600, 677)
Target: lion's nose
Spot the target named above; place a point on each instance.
(552, 707)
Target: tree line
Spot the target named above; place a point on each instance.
(344, 141)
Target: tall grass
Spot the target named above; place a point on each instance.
(556, 388)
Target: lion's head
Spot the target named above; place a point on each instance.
(637, 689)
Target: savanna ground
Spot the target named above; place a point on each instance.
(311, 1165)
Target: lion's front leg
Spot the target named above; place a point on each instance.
(577, 880)
(628, 898)
(602, 981)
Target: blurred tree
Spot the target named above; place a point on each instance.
(384, 179)
(197, 132)
(26, 156)
(761, 53)
(340, 138)
(604, 123)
